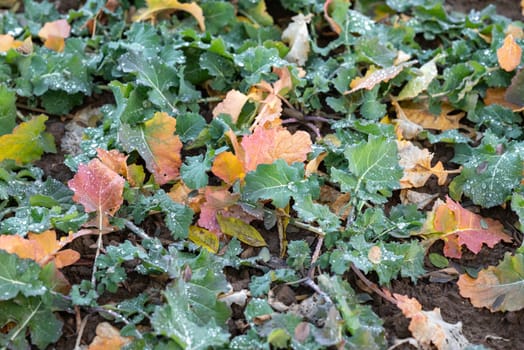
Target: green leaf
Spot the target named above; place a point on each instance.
(373, 167)
(194, 171)
(260, 285)
(501, 121)
(7, 110)
(19, 276)
(177, 320)
(154, 74)
(517, 205)
(359, 320)
(189, 126)
(218, 15)
(256, 62)
(491, 172)
(30, 315)
(27, 142)
(278, 182)
(311, 212)
(299, 255)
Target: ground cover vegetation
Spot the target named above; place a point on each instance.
(250, 175)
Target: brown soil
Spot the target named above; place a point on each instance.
(501, 330)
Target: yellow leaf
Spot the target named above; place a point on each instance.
(154, 7)
(243, 232)
(228, 167)
(509, 54)
(27, 141)
(204, 238)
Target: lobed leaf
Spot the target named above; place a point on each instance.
(498, 288)
(457, 226)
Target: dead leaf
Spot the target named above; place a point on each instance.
(8, 42)
(264, 146)
(54, 33)
(161, 147)
(428, 327)
(509, 54)
(113, 159)
(377, 76)
(334, 25)
(419, 113)
(421, 200)
(98, 188)
(297, 35)
(457, 226)
(497, 96)
(204, 238)
(156, 7)
(232, 105)
(40, 247)
(108, 338)
(498, 288)
(270, 96)
(405, 128)
(241, 230)
(416, 164)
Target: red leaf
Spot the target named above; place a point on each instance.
(97, 188)
(457, 226)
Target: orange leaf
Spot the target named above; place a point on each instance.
(416, 164)
(509, 54)
(428, 328)
(154, 7)
(232, 105)
(158, 145)
(113, 159)
(108, 338)
(228, 167)
(165, 159)
(20, 246)
(266, 145)
(498, 288)
(182, 194)
(97, 188)
(54, 33)
(457, 226)
(40, 247)
(497, 96)
(8, 42)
